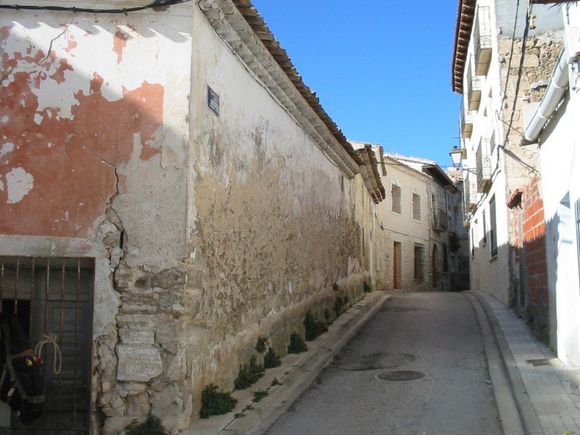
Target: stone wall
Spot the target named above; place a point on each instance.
(208, 230)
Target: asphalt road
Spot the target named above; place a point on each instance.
(365, 390)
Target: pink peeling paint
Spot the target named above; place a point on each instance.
(71, 160)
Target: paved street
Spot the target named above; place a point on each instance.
(435, 334)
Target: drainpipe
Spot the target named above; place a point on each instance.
(552, 97)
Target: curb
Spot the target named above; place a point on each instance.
(297, 374)
(508, 379)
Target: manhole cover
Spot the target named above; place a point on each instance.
(373, 361)
(402, 376)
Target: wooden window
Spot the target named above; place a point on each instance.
(418, 271)
(396, 198)
(416, 206)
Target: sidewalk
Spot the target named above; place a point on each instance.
(295, 375)
(546, 392)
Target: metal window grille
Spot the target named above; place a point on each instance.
(54, 295)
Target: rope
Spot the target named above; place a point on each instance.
(57, 354)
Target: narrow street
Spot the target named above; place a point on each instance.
(435, 334)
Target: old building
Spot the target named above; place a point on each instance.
(415, 219)
(170, 191)
(552, 125)
(503, 58)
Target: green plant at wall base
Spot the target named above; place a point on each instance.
(151, 426)
(335, 287)
(339, 304)
(249, 374)
(367, 288)
(259, 395)
(327, 317)
(215, 402)
(297, 344)
(271, 360)
(261, 344)
(313, 327)
(275, 382)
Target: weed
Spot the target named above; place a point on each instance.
(249, 374)
(275, 382)
(261, 344)
(335, 287)
(367, 288)
(271, 360)
(215, 402)
(151, 426)
(259, 395)
(239, 414)
(297, 344)
(327, 317)
(313, 327)
(339, 304)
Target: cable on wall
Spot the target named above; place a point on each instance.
(156, 5)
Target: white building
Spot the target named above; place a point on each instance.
(553, 125)
(503, 57)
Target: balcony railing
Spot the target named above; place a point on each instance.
(466, 122)
(474, 85)
(469, 193)
(482, 40)
(439, 219)
(483, 166)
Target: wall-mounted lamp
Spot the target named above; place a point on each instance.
(457, 156)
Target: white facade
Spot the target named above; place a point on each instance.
(560, 175)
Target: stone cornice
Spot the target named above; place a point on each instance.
(280, 78)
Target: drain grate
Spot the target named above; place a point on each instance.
(402, 376)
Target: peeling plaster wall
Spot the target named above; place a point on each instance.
(94, 135)
(270, 229)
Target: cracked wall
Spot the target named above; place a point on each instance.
(270, 228)
(93, 160)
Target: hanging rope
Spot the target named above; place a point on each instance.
(56, 354)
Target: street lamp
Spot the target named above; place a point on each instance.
(457, 156)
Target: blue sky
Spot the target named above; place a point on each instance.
(381, 68)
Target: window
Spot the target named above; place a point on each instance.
(445, 260)
(54, 296)
(396, 198)
(416, 206)
(472, 242)
(484, 228)
(418, 274)
(492, 229)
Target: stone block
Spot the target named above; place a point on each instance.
(169, 278)
(138, 363)
(129, 336)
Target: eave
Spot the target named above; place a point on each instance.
(463, 27)
(245, 31)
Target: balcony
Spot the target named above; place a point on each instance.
(483, 167)
(439, 220)
(482, 40)
(466, 123)
(474, 85)
(469, 193)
